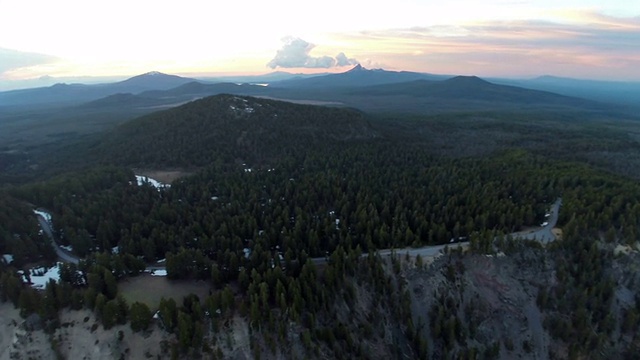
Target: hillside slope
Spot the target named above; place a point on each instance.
(460, 93)
(230, 128)
(68, 94)
(358, 76)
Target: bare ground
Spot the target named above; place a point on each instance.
(16, 343)
(500, 289)
(557, 232)
(81, 337)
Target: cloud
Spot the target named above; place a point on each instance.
(343, 60)
(603, 47)
(295, 54)
(372, 64)
(13, 59)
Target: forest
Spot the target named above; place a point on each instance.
(274, 187)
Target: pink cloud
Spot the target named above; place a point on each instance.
(601, 46)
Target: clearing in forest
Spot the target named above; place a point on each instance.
(163, 176)
(150, 289)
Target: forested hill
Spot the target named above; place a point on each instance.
(229, 129)
(467, 92)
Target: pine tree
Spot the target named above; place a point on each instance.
(110, 314)
(140, 316)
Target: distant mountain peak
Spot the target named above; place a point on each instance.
(356, 76)
(153, 80)
(357, 68)
(467, 80)
(551, 78)
(153, 74)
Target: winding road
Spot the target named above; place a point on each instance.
(542, 234)
(63, 254)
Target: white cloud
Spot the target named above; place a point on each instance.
(14, 59)
(343, 60)
(200, 36)
(295, 53)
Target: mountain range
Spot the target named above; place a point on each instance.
(42, 114)
(73, 94)
(331, 87)
(358, 76)
(616, 92)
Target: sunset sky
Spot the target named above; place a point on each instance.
(510, 38)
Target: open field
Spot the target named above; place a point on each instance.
(150, 289)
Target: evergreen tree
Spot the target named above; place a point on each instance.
(140, 316)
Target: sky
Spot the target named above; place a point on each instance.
(44, 40)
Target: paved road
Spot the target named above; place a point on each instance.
(542, 234)
(426, 251)
(62, 254)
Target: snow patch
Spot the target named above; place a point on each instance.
(158, 272)
(44, 214)
(8, 258)
(244, 107)
(155, 183)
(68, 248)
(41, 276)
